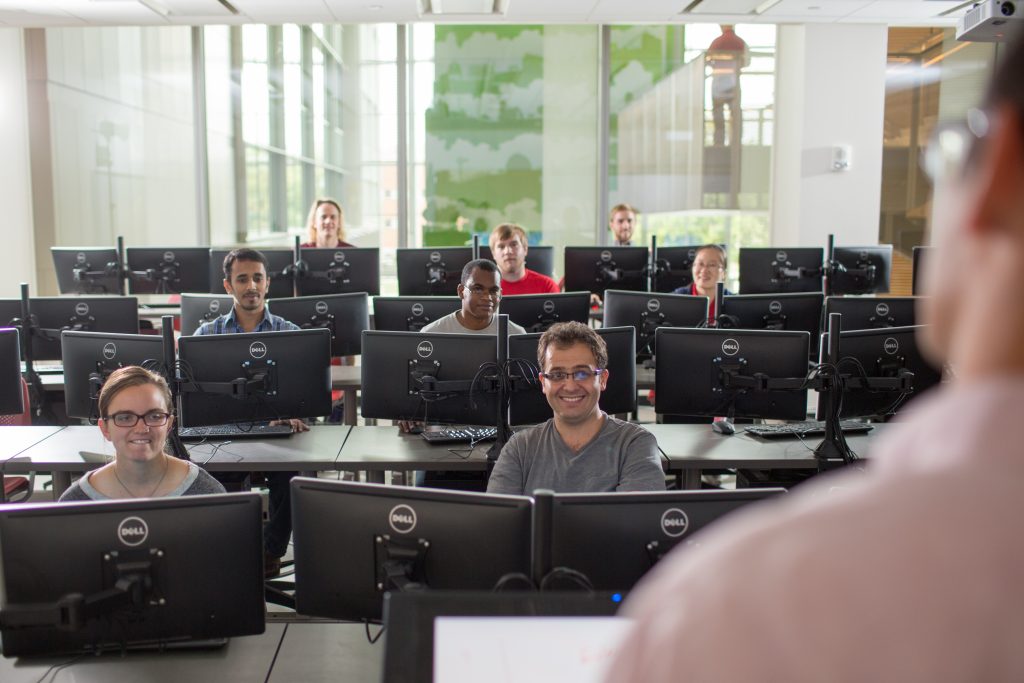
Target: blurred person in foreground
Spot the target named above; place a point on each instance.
(910, 570)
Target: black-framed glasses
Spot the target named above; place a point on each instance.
(579, 374)
(153, 418)
(480, 290)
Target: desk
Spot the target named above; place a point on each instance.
(243, 659)
(15, 440)
(379, 449)
(61, 453)
(691, 448)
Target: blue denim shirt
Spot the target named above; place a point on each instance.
(228, 324)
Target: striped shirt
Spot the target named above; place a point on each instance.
(228, 324)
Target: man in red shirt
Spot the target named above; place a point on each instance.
(508, 245)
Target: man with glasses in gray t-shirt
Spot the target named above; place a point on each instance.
(580, 449)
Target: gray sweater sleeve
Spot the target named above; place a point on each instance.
(203, 485)
(508, 475)
(641, 466)
(72, 494)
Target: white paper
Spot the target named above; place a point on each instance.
(533, 649)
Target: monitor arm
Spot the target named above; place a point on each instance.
(608, 272)
(336, 272)
(255, 381)
(320, 320)
(864, 269)
(731, 377)
(83, 272)
(786, 272)
(423, 379)
(438, 273)
(131, 584)
(774, 321)
(161, 275)
(399, 563)
(544, 321)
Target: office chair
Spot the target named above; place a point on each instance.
(19, 485)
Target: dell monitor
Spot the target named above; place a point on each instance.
(344, 315)
(595, 269)
(769, 270)
(871, 313)
(890, 355)
(168, 270)
(411, 313)
(11, 395)
(438, 378)
(732, 373)
(338, 271)
(538, 312)
(199, 309)
(254, 377)
(103, 576)
(860, 270)
(52, 315)
(647, 312)
(87, 270)
(528, 403)
(354, 542)
(799, 311)
(921, 256)
(613, 539)
(539, 259)
(673, 267)
(90, 357)
(279, 270)
(431, 272)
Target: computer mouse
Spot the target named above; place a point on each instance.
(723, 427)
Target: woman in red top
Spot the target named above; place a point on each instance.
(326, 225)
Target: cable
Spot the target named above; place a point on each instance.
(567, 573)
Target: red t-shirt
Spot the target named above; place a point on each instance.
(531, 283)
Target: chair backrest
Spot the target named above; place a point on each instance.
(24, 418)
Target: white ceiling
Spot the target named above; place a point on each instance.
(41, 13)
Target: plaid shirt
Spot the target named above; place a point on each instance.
(227, 324)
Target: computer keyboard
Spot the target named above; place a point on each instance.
(460, 435)
(233, 431)
(808, 428)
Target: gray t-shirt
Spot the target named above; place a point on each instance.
(451, 325)
(622, 457)
(196, 483)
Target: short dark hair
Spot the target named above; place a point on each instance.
(481, 263)
(564, 335)
(244, 254)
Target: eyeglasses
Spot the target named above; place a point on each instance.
(480, 290)
(154, 418)
(952, 145)
(579, 375)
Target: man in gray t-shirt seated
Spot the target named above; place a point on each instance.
(581, 448)
(480, 291)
